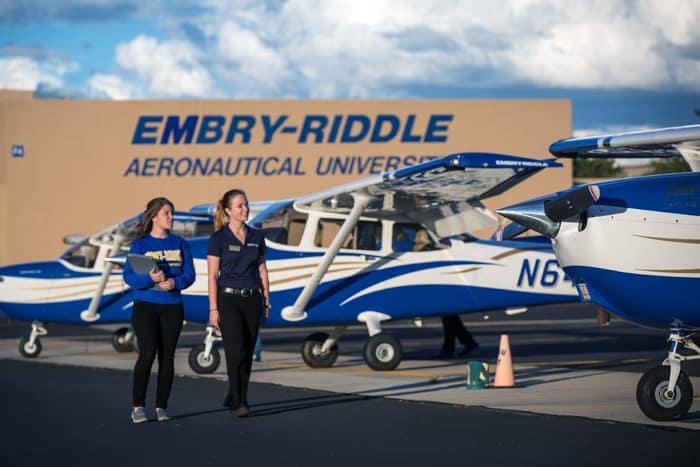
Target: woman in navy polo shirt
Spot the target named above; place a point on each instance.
(239, 293)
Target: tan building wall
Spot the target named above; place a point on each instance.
(85, 165)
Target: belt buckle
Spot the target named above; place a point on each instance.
(245, 293)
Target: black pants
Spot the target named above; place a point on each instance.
(157, 329)
(454, 328)
(239, 319)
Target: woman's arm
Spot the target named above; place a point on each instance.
(262, 268)
(187, 276)
(212, 287)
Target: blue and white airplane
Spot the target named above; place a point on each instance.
(393, 246)
(633, 246)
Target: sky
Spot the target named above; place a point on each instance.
(625, 64)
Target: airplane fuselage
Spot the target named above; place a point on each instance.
(639, 253)
(463, 277)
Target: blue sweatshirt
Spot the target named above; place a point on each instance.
(173, 256)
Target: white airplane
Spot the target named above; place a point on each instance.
(633, 246)
(351, 254)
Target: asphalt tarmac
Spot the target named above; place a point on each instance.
(573, 404)
(56, 415)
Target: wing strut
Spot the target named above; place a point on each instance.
(91, 313)
(296, 312)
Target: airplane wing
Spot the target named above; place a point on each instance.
(444, 194)
(663, 142)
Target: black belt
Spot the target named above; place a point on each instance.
(241, 292)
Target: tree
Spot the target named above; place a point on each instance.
(596, 168)
(670, 165)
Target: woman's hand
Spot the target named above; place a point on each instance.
(157, 275)
(266, 310)
(214, 317)
(167, 285)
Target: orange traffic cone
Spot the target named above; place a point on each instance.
(504, 366)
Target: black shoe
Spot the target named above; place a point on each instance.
(443, 355)
(468, 348)
(241, 411)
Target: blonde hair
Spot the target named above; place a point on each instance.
(153, 207)
(220, 217)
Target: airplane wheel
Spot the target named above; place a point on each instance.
(201, 364)
(311, 355)
(120, 342)
(383, 352)
(652, 398)
(27, 350)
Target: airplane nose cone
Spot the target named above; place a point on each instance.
(532, 215)
(545, 214)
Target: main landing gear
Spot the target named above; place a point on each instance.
(30, 346)
(382, 351)
(665, 392)
(123, 340)
(205, 359)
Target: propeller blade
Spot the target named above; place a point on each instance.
(572, 203)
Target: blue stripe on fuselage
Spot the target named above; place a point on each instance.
(658, 301)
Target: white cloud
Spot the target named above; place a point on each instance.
(255, 64)
(385, 48)
(111, 86)
(344, 48)
(26, 74)
(170, 68)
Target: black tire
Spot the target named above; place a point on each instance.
(29, 351)
(652, 399)
(120, 342)
(202, 365)
(314, 359)
(383, 352)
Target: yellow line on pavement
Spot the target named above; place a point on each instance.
(345, 369)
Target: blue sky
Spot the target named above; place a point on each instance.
(626, 64)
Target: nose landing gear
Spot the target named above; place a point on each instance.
(665, 392)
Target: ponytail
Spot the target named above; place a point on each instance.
(220, 217)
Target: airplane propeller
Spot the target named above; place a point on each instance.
(545, 214)
(572, 203)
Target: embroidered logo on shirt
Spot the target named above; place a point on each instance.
(252, 244)
(173, 257)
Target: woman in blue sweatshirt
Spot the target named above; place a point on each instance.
(158, 312)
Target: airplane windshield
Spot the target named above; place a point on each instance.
(82, 254)
(281, 224)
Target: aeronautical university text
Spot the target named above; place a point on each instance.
(267, 165)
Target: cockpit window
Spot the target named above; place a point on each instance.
(411, 237)
(82, 254)
(366, 235)
(283, 225)
(193, 227)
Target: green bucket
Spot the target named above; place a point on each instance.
(477, 375)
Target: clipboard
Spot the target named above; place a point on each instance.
(142, 264)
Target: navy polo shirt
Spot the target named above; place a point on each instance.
(238, 263)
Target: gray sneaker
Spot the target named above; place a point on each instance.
(138, 415)
(162, 415)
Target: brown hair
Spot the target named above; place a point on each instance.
(153, 207)
(224, 202)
